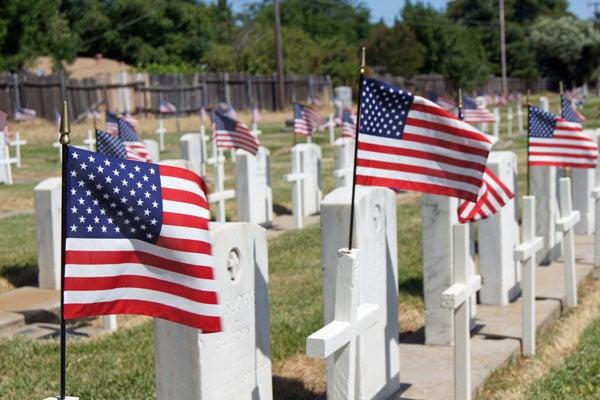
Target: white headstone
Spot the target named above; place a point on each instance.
(375, 237)
(543, 186)
(584, 180)
(310, 163)
(152, 147)
(344, 95)
(331, 129)
(439, 215)
(160, 131)
(193, 149)
(343, 150)
(253, 187)
(568, 219)
(497, 118)
(47, 195)
(509, 119)
(219, 194)
(520, 118)
(176, 162)
(498, 235)
(235, 363)
(544, 103)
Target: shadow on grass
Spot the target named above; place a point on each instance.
(293, 389)
(278, 209)
(20, 275)
(412, 286)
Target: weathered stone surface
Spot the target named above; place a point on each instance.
(543, 184)
(47, 195)
(253, 187)
(343, 149)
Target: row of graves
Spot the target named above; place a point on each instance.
(131, 234)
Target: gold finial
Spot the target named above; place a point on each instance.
(363, 60)
(65, 126)
(560, 87)
(460, 99)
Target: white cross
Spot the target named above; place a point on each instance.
(496, 122)
(17, 143)
(161, 132)
(456, 298)
(525, 253)
(219, 195)
(596, 196)
(509, 118)
(255, 130)
(297, 176)
(90, 141)
(331, 126)
(343, 173)
(203, 150)
(566, 222)
(5, 163)
(520, 118)
(338, 338)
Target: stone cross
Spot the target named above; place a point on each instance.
(306, 172)
(498, 235)
(255, 131)
(567, 221)
(47, 195)
(509, 119)
(596, 196)
(343, 149)
(584, 180)
(5, 161)
(17, 143)
(543, 186)
(375, 237)
(161, 132)
(219, 194)
(253, 187)
(520, 118)
(296, 178)
(153, 149)
(497, 118)
(234, 363)
(525, 253)
(331, 128)
(90, 141)
(337, 340)
(456, 298)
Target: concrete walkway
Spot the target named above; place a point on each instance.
(426, 372)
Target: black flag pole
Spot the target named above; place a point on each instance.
(460, 104)
(528, 103)
(360, 81)
(65, 130)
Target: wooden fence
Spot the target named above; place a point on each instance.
(142, 93)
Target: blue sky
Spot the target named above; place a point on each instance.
(388, 9)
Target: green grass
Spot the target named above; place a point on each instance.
(18, 255)
(578, 376)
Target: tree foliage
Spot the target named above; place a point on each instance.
(320, 36)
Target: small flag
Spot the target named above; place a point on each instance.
(137, 242)
(231, 134)
(348, 123)
(112, 124)
(408, 142)
(554, 141)
(24, 114)
(115, 146)
(447, 103)
(119, 128)
(493, 195)
(306, 119)
(568, 111)
(130, 119)
(474, 114)
(167, 108)
(7, 134)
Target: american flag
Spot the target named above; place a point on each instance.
(24, 114)
(493, 195)
(447, 103)
(231, 134)
(306, 119)
(112, 124)
(137, 242)
(115, 146)
(569, 113)
(474, 114)
(130, 119)
(409, 142)
(554, 141)
(348, 123)
(118, 127)
(166, 108)
(7, 134)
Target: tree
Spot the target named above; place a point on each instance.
(396, 50)
(566, 49)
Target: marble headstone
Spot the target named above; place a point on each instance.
(584, 180)
(343, 149)
(543, 185)
(498, 235)
(375, 237)
(152, 146)
(344, 95)
(310, 164)
(47, 195)
(191, 150)
(253, 187)
(235, 363)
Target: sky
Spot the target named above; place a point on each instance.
(388, 9)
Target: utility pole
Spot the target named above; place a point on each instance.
(503, 49)
(279, 56)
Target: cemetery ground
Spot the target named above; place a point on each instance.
(122, 364)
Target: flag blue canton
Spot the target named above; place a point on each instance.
(541, 123)
(112, 198)
(110, 145)
(384, 109)
(126, 131)
(298, 111)
(347, 117)
(223, 122)
(111, 117)
(567, 110)
(469, 103)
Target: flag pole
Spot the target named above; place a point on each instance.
(65, 130)
(460, 104)
(528, 112)
(357, 129)
(561, 92)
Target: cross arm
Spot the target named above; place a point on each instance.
(338, 173)
(336, 334)
(215, 160)
(297, 176)
(525, 250)
(458, 293)
(566, 223)
(224, 195)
